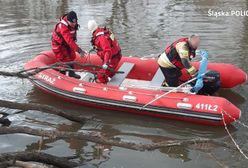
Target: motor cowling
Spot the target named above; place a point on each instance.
(211, 83)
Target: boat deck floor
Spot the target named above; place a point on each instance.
(134, 83)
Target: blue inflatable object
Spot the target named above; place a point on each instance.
(201, 72)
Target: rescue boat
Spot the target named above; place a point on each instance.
(139, 84)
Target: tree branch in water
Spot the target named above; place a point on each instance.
(97, 138)
(9, 159)
(42, 108)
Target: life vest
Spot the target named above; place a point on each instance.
(113, 43)
(103, 32)
(173, 55)
(57, 37)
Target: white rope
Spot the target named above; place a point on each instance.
(238, 121)
(228, 132)
(172, 90)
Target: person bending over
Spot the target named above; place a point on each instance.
(176, 57)
(108, 49)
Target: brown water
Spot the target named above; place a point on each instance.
(143, 27)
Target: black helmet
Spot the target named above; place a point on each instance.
(71, 16)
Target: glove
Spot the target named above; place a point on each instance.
(77, 26)
(204, 53)
(82, 52)
(104, 66)
(192, 71)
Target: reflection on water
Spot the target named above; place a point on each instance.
(143, 27)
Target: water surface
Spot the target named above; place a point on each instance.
(143, 27)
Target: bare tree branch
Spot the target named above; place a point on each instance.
(59, 66)
(42, 108)
(97, 138)
(10, 158)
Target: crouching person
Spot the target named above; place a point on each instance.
(108, 50)
(177, 57)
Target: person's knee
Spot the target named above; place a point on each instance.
(172, 82)
(171, 76)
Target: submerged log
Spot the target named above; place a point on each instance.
(22, 164)
(9, 159)
(42, 108)
(100, 139)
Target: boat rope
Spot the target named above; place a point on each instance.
(230, 135)
(173, 90)
(223, 112)
(236, 120)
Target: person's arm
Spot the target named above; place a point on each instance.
(189, 67)
(104, 44)
(184, 55)
(65, 32)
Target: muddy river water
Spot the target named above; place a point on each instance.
(143, 27)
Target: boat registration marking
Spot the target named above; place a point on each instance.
(208, 107)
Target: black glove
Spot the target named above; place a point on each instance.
(77, 26)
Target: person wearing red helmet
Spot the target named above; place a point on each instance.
(108, 49)
(64, 39)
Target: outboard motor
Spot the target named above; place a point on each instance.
(207, 82)
(211, 83)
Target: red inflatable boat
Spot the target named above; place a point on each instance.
(139, 84)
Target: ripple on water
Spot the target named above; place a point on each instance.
(143, 28)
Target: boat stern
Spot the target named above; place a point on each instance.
(230, 112)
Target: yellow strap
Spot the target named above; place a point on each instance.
(182, 50)
(164, 61)
(191, 70)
